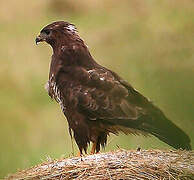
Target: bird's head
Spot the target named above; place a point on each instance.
(65, 41)
(58, 32)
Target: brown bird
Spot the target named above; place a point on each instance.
(95, 100)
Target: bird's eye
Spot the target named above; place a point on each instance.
(46, 31)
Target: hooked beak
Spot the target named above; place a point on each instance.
(39, 39)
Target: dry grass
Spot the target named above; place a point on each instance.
(121, 164)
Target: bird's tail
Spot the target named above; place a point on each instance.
(157, 124)
(166, 131)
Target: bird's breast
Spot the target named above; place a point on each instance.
(54, 92)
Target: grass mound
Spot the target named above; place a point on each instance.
(121, 164)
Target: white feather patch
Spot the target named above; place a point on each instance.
(71, 28)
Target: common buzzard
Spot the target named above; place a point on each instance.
(95, 100)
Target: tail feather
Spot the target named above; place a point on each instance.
(165, 130)
(155, 123)
(169, 133)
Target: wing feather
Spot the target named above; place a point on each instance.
(104, 97)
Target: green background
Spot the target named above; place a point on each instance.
(149, 43)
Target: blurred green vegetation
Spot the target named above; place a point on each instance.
(149, 43)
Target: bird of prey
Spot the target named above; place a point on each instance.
(95, 100)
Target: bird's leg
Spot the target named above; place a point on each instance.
(80, 154)
(93, 150)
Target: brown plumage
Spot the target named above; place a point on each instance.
(95, 100)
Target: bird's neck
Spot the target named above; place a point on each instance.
(75, 54)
